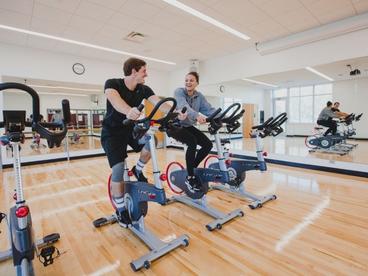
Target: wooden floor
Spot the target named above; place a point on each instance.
(317, 226)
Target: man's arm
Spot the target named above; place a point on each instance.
(120, 105)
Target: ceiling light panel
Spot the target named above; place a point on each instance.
(206, 18)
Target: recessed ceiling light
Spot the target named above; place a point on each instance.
(206, 18)
(319, 73)
(24, 31)
(260, 82)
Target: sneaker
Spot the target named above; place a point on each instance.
(139, 175)
(118, 202)
(193, 184)
(123, 217)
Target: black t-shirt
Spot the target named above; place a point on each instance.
(113, 118)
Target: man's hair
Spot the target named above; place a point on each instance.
(132, 63)
(329, 103)
(194, 74)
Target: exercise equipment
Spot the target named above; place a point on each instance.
(335, 144)
(23, 245)
(137, 194)
(237, 168)
(176, 176)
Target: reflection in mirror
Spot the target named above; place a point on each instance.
(83, 136)
(303, 94)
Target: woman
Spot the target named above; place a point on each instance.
(196, 105)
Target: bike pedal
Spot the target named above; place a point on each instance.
(47, 255)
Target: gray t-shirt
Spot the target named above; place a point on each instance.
(326, 114)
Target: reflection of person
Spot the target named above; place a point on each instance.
(325, 118)
(335, 108)
(57, 117)
(123, 98)
(196, 104)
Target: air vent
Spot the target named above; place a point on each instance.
(135, 37)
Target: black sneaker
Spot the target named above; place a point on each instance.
(193, 184)
(123, 217)
(139, 175)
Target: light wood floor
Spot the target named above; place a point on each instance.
(317, 226)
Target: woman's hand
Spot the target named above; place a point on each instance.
(201, 119)
(182, 116)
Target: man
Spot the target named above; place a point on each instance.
(325, 118)
(123, 98)
(337, 111)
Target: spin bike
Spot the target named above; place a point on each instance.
(176, 176)
(235, 167)
(335, 144)
(137, 194)
(23, 245)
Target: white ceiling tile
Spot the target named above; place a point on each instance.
(297, 20)
(47, 26)
(279, 7)
(65, 5)
(93, 11)
(110, 4)
(166, 19)
(121, 20)
(360, 6)
(14, 19)
(335, 14)
(139, 9)
(325, 6)
(112, 32)
(245, 9)
(81, 35)
(84, 25)
(45, 12)
(20, 6)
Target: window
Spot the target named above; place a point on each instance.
(303, 104)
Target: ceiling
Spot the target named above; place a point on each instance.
(170, 34)
(337, 71)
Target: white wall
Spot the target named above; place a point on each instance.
(39, 64)
(353, 96)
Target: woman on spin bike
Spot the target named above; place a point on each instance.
(196, 105)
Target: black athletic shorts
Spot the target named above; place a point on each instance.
(115, 143)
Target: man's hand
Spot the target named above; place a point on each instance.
(133, 114)
(201, 119)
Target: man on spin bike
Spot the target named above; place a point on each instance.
(196, 105)
(123, 98)
(326, 116)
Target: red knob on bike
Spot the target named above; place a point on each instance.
(265, 153)
(15, 196)
(228, 162)
(163, 177)
(22, 212)
(130, 173)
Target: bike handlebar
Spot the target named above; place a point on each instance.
(52, 137)
(213, 115)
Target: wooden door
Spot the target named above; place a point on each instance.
(248, 119)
